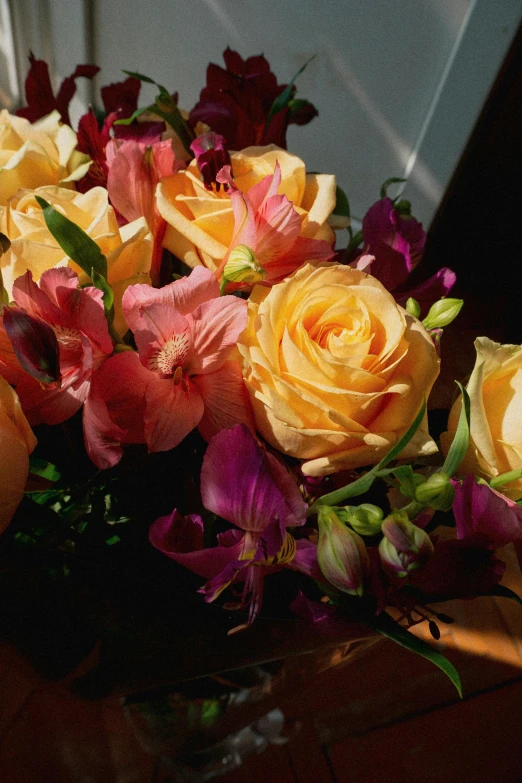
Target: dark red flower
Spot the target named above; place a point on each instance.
(39, 92)
(236, 103)
(211, 155)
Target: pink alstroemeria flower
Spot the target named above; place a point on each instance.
(180, 378)
(247, 486)
(134, 170)
(270, 226)
(479, 509)
(77, 318)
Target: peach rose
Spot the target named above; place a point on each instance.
(201, 222)
(38, 153)
(336, 370)
(495, 391)
(128, 249)
(16, 443)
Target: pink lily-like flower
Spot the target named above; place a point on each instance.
(247, 486)
(269, 226)
(77, 318)
(180, 378)
(134, 170)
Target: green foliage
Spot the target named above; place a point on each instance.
(75, 243)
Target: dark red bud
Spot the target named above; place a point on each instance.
(301, 112)
(34, 343)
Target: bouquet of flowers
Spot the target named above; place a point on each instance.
(190, 363)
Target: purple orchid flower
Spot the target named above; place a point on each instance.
(248, 487)
(395, 245)
(479, 509)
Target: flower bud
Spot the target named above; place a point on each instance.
(442, 313)
(436, 492)
(341, 553)
(211, 155)
(242, 266)
(34, 343)
(403, 207)
(404, 546)
(365, 519)
(413, 307)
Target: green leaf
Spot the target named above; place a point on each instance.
(391, 181)
(134, 116)
(499, 591)
(342, 205)
(141, 77)
(282, 100)
(460, 442)
(363, 484)
(388, 627)
(408, 480)
(75, 243)
(403, 442)
(165, 107)
(108, 294)
(40, 467)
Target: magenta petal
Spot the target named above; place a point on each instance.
(430, 291)
(481, 510)
(181, 539)
(305, 560)
(238, 484)
(397, 243)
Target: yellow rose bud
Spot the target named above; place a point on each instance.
(335, 368)
(39, 153)
(201, 222)
(495, 391)
(16, 443)
(128, 249)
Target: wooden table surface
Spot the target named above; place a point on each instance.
(386, 716)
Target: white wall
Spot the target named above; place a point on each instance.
(398, 83)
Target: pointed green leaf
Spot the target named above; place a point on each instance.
(108, 294)
(75, 243)
(141, 77)
(499, 591)
(460, 442)
(403, 442)
(391, 181)
(388, 627)
(40, 467)
(282, 100)
(134, 116)
(363, 484)
(164, 107)
(342, 205)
